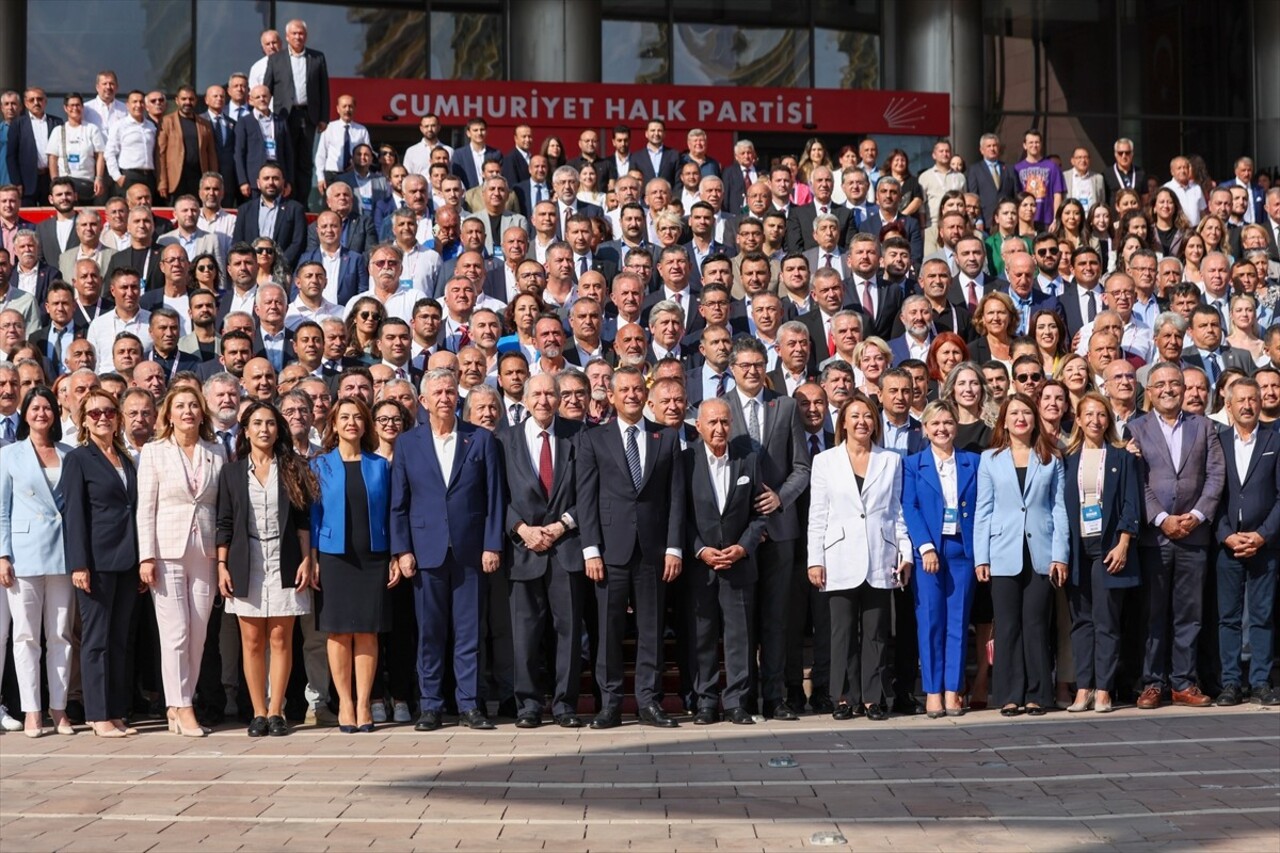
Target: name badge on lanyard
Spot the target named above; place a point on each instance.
(1091, 519)
(73, 159)
(950, 521)
(271, 149)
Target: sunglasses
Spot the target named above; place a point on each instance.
(264, 250)
(368, 315)
(100, 414)
(1029, 377)
(383, 263)
(1044, 253)
(205, 268)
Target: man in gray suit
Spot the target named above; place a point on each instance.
(769, 425)
(1207, 351)
(494, 195)
(1183, 474)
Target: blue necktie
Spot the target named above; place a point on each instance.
(633, 457)
(346, 149)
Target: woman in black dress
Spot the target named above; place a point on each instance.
(349, 535)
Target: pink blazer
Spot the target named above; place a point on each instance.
(167, 509)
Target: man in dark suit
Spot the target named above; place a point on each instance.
(515, 163)
(224, 138)
(356, 230)
(724, 531)
(888, 199)
(54, 339)
(353, 272)
(544, 552)
(468, 160)
(535, 188)
(971, 260)
(656, 160)
(447, 517)
(800, 236)
(1207, 351)
(306, 112)
(1183, 475)
(631, 501)
(1248, 528)
(289, 226)
(739, 176)
(253, 149)
(1027, 298)
(23, 150)
(867, 293)
(62, 196)
(769, 424)
(992, 179)
(28, 262)
(1123, 174)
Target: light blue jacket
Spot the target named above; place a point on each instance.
(1008, 515)
(30, 513)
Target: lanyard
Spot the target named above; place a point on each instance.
(1102, 468)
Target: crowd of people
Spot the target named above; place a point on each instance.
(824, 435)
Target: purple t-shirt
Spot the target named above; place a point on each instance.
(1042, 179)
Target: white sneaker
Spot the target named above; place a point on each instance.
(9, 724)
(401, 714)
(379, 712)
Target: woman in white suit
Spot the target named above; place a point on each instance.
(177, 525)
(33, 566)
(859, 551)
(1021, 545)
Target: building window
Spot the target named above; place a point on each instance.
(466, 46)
(846, 60)
(146, 42)
(634, 52)
(714, 55)
(227, 38)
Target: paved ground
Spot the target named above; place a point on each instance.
(1131, 781)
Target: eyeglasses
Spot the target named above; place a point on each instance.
(369, 315)
(100, 414)
(750, 365)
(264, 250)
(388, 420)
(1029, 377)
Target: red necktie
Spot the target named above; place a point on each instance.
(464, 335)
(867, 305)
(831, 342)
(973, 297)
(544, 463)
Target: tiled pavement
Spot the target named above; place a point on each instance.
(1132, 781)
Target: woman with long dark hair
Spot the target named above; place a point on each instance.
(264, 554)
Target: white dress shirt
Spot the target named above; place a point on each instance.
(329, 148)
(446, 448)
(533, 441)
(299, 312)
(950, 487)
(105, 116)
(131, 145)
(103, 330)
(298, 65)
(719, 466)
(1244, 449)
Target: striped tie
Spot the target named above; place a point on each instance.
(633, 456)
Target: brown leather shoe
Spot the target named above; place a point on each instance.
(1150, 698)
(1192, 697)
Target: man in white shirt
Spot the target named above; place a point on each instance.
(271, 44)
(417, 159)
(187, 234)
(131, 145)
(126, 288)
(337, 142)
(1189, 194)
(311, 304)
(105, 112)
(935, 182)
(212, 218)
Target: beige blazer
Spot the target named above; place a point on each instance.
(167, 510)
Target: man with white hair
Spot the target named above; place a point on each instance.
(299, 82)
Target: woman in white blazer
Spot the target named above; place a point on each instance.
(1021, 545)
(33, 566)
(859, 551)
(177, 525)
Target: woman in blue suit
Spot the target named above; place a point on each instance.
(33, 566)
(939, 496)
(1021, 544)
(350, 545)
(1104, 508)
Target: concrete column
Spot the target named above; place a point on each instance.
(554, 40)
(13, 47)
(938, 48)
(1266, 96)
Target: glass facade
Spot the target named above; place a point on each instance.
(1175, 77)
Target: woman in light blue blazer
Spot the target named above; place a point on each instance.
(1021, 546)
(939, 499)
(33, 567)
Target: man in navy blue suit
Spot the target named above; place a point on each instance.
(259, 138)
(448, 505)
(269, 214)
(468, 160)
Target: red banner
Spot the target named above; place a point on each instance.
(383, 102)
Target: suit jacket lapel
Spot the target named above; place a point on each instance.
(965, 472)
(429, 453)
(1229, 455)
(462, 444)
(1189, 436)
(654, 440)
(1263, 440)
(106, 465)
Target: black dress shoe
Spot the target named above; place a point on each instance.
(843, 711)
(821, 704)
(653, 715)
(796, 699)
(1263, 695)
(528, 721)
(781, 711)
(1229, 696)
(741, 717)
(877, 712)
(610, 718)
(428, 721)
(569, 721)
(507, 708)
(1036, 710)
(276, 726)
(908, 706)
(1010, 711)
(258, 727)
(704, 717)
(475, 719)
